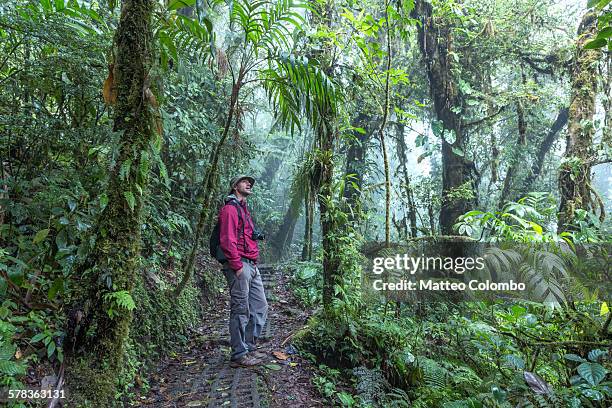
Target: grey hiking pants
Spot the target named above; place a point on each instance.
(248, 308)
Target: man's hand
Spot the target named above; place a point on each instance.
(239, 272)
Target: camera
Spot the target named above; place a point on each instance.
(258, 235)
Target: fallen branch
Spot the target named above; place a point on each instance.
(287, 339)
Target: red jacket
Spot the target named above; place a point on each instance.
(232, 241)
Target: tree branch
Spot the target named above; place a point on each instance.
(481, 120)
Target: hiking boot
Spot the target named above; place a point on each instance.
(245, 361)
(258, 354)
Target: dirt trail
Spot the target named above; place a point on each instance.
(200, 376)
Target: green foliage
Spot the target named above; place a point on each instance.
(589, 380)
(10, 368)
(58, 147)
(297, 87)
(193, 37)
(472, 355)
(119, 302)
(546, 272)
(530, 219)
(307, 283)
(266, 25)
(462, 192)
(601, 7)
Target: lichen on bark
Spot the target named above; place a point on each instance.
(97, 346)
(435, 39)
(575, 171)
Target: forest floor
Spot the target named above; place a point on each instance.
(200, 375)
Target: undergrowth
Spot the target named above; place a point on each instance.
(467, 355)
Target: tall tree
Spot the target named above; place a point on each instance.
(264, 28)
(103, 320)
(406, 183)
(326, 135)
(381, 129)
(543, 149)
(356, 155)
(309, 209)
(436, 44)
(575, 172)
(517, 152)
(298, 192)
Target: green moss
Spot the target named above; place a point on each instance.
(92, 393)
(161, 320)
(160, 324)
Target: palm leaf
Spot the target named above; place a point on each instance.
(194, 37)
(300, 89)
(267, 25)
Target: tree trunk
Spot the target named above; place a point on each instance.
(103, 325)
(355, 162)
(575, 172)
(401, 154)
(324, 172)
(209, 182)
(326, 135)
(606, 138)
(271, 168)
(518, 150)
(487, 86)
(436, 44)
(494, 158)
(381, 135)
(309, 215)
(543, 150)
(430, 213)
(283, 237)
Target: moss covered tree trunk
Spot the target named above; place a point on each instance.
(436, 44)
(104, 318)
(575, 172)
(381, 133)
(323, 173)
(355, 162)
(309, 208)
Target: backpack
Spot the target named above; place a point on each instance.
(214, 244)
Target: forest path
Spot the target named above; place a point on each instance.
(200, 376)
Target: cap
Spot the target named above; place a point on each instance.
(235, 181)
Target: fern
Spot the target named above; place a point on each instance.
(542, 402)
(9, 367)
(397, 398)
(370, 384)
(434, 375)
(7, 351)
(301, 185)
(544, 272)
(119, 300)
(465, 378)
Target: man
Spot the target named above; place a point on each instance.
(248, 303)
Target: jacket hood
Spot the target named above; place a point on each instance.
(230, 198)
